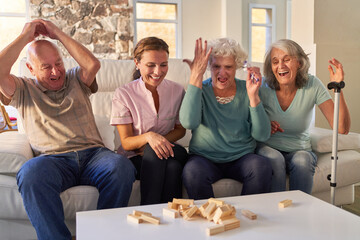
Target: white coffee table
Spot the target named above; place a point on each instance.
(307, 218)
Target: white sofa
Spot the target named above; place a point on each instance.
(15, 150)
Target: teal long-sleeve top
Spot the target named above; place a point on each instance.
(223, 132)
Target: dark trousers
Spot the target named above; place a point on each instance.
(254, 171)
(160, 180)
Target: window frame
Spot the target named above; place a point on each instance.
(251, 24)
(177, 21)
(25, 15)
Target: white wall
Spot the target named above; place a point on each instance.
(302, 28)
(337, 34)
(201, 18)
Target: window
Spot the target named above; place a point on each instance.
(13, 16)
(261, 30)
(159, 18)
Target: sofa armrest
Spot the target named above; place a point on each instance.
(15, 150)
(321, 140)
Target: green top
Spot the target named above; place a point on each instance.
(223, 132)
(297, 118)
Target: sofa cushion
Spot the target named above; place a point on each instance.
(15, 150)
(321, 140)
(106, 131)
(347, 170)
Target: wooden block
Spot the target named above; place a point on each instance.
(170, 213)
(224, 219)
(231, 223)
(249, 214)
(134, 218)
(186, 202)
(172, 205)
(202, 209)
(210, 209)
(211, 216)
(217, 201)
(189, 213)
(233, 210)
(215, 229)
(139, 213)
(222, 211)
(285, 203)
(150, 219)
(182, 210)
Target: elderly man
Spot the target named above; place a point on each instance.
(60, 125)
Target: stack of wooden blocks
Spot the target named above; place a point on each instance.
(213, 210)
(222, 214)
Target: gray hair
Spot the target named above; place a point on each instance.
(224, 47)
(292, 49)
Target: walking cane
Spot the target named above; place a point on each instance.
(337, 86)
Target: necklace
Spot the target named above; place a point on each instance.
(224, 100)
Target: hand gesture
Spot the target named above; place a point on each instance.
(32, 30)
(48, 29)
(161, 146)
(253, 84)
(253, 80)
(199, 64)
(275, 127)
(338, 75)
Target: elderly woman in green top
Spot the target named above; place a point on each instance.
(226, 117)
(290, 95)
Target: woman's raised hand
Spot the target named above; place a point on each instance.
(338, 75)
(199, 64)
(253, 84)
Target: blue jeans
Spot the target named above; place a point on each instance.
(252, 170)
(300, 165)
(43, 178)
(160, 179)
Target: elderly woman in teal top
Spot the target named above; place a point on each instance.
(226, 117)
(289, 96)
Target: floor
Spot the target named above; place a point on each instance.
(355, 207)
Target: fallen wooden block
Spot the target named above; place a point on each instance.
(186, 202)
(221, 212)
(249, 214)
(210, 209)
(285, 203)
(217, 201)
(172, 205)
(231, 223)
(150, 219)
(189, 213)
(139, 213)
(224, 219)
(134, 218)
(202, 209)
(211, 216)
(170, 213)
(215, 229)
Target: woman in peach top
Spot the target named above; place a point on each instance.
(146, 114)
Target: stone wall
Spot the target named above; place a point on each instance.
(105, 27)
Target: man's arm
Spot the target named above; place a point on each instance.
(88, 63)
(10, 54)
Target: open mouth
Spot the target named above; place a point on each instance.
(54, 79)
(222, 80)
(283, 73)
